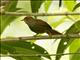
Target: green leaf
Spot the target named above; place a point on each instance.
(76, 56)
(25, 6)
(11, 6)
(74, 29)
(69, 4)
(75, 48)
(25, 48)
(5, 19)
(76, 6)
(35, 5)
(47, 4)
(75, 45)
(56, 23)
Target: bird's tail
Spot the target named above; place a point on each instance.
(54, 32)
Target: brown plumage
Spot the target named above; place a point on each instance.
(39, 26)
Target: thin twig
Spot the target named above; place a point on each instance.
(39, 37)
(39, 14)
(38, 55)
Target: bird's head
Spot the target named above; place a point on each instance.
(27, 18)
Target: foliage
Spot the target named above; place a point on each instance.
(74, 29)
(22, 47)
(37, 5)
(29, 48)
(6, 20)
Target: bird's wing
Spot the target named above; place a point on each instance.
(43, 23)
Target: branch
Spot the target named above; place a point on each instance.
(37, 55)
(39, 37)
(38, 14)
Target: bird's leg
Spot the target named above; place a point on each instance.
(50, 36)
(49, 33)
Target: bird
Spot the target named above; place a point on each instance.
(39, 26)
